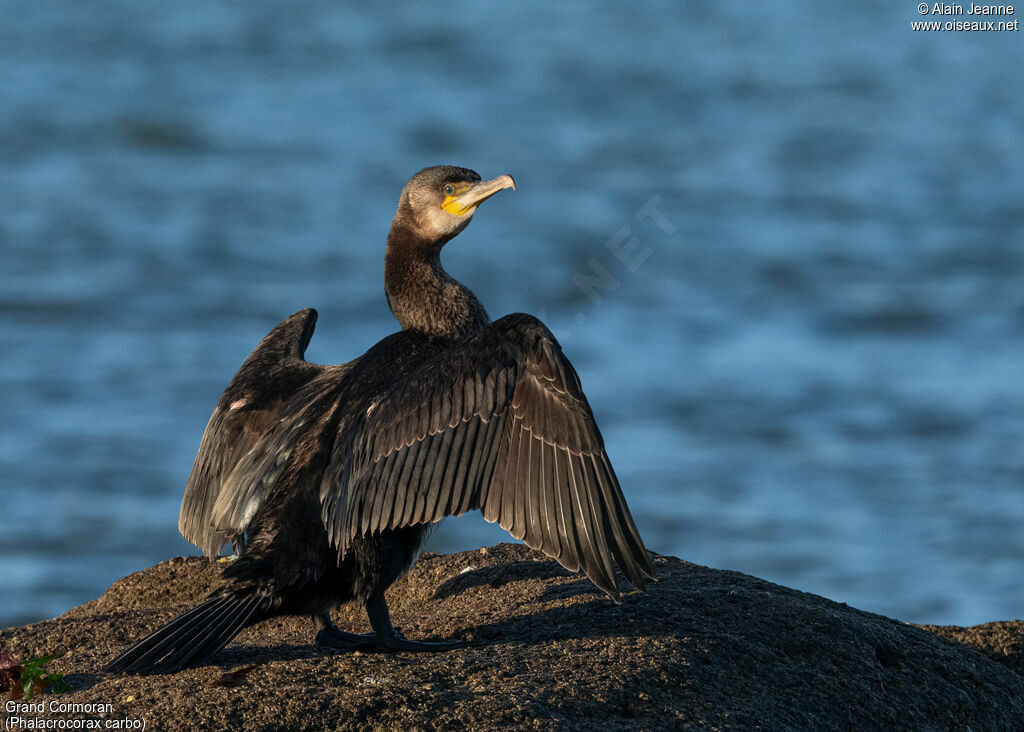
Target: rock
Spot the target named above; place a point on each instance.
(703, 648)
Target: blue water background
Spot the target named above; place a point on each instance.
(806, 352)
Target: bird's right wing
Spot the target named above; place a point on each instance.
(497, 423)
(247, 410)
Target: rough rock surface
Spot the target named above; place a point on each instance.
(703, 648)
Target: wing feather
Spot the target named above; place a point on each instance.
(391, 500)
(449, 487)
(510, 489)
(569, 557)
(416, 479)
(492, 506)
(475, 430)
(497, 422)
(549, 530)
(436, 479)
(406, 460)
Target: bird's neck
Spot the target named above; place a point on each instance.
(421, 294)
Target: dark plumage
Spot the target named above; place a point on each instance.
(327, 478)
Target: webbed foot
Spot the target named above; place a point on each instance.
(398, 642)
(388, 638)
(335, 639)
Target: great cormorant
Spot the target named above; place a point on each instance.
(327, 478)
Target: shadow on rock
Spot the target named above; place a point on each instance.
(499, 576)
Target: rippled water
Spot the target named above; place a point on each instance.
(806, 357)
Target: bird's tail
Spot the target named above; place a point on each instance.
(194, 637)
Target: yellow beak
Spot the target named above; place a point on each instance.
(465, 201)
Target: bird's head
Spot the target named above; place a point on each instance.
(437, 203)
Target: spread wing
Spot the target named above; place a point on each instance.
(498, 423)
(247, 409)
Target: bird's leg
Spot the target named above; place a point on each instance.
(328, 635)
(387, 636)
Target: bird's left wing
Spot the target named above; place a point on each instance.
(249, 406)
(497, 423)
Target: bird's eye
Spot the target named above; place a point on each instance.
(448, 190)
